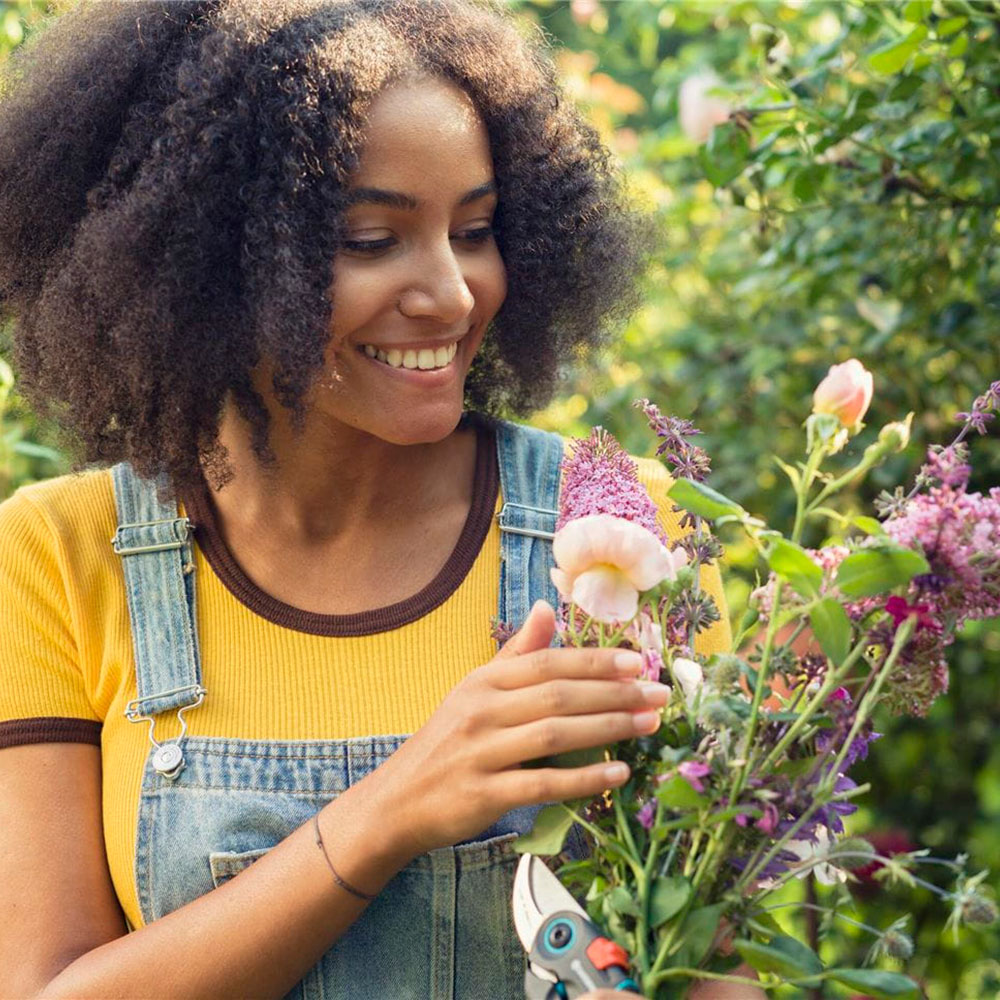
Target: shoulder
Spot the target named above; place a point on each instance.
(69, 509)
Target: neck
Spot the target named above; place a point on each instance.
(332, 481)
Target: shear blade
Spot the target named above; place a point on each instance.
(537, 895)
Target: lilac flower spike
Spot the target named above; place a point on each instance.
(600, 478)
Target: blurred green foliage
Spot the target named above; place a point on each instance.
(847, 206)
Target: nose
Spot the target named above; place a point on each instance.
(439, 289)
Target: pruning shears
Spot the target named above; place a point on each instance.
(568, 954)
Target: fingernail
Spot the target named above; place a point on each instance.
(616, 772)
(651, 691)
(627, 662)
(645, 720)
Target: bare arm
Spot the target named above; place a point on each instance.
(62, 932)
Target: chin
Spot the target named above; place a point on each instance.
(427, 430)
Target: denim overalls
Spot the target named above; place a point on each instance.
(441, 929)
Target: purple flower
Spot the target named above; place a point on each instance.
(600, 478)
(976, 419)
(686, 460)
(646, 815)
(768, 821)
(692, 771)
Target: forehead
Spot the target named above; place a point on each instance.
(421, 132)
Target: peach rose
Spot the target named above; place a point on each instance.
(604, 562)
(698, 110)
(846, 392)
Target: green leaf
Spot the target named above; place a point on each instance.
(894, 55)
(949, 25)
(874, 571)
(620, 900)
(547, 835)
(958, 47)
(33, 450)
(782, 954)
(678, 794)
(796, 565)
(668, 898)
(702, 500)
(697, 934)
(917, 10)
(726, 154)
(832, 628)
(869, 525)
(876, 983)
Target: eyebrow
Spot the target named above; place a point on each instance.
(396, 199)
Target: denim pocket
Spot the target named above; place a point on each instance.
(225, 864)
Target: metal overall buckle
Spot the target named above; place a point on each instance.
(168, 758)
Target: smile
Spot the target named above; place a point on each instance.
(424, 358)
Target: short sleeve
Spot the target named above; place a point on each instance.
(43, 697)
(718, 637)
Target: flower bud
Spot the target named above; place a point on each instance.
(846, 392)
(895, 944)
(896, 436)
(978, 909)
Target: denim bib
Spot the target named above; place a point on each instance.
(441, 928)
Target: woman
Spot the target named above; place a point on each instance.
(263, 257)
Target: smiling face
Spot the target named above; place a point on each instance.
(419, 277)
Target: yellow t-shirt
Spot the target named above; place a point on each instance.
(272, 672)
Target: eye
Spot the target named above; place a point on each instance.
(478, 235)
(369, 246)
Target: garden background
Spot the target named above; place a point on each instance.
(847, 204)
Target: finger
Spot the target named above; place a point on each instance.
(558, 734)
(573, 696)
(535, 633)
(551, 664)
(537, 786)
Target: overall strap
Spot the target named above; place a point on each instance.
(156, 549)
(530, 466)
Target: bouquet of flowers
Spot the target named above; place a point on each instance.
(746, 784)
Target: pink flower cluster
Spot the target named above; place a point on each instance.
(959, 535)
(600, 478)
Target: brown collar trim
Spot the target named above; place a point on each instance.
(477, 525)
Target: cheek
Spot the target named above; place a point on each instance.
(357, 296)
(491, 283)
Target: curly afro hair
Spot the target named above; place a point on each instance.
(172, 183)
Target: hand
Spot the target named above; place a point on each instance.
(461, 771)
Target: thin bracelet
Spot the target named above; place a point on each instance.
(337, 878)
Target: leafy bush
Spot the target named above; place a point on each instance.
(847, 207)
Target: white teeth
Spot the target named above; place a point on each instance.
(426, 358)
